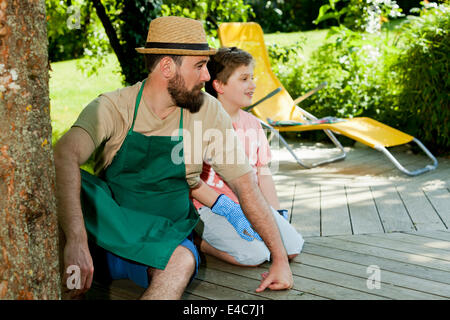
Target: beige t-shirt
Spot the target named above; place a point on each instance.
(207, 134)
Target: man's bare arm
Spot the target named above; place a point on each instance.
(260, 216)
(71, 151)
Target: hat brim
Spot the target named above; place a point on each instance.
(181, 52)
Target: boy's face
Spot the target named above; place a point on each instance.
(240, 87)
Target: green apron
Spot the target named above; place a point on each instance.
(141, 210)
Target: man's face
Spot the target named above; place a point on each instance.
(185, 87)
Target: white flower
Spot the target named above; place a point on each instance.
(344, 60)
(372, 52)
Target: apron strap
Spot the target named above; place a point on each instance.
(180, 127)
(136, 106)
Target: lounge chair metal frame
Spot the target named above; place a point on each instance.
(342, 155)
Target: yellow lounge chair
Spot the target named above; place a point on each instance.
(281, 107)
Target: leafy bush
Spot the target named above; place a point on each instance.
(353, 68)
(360, 15)
(421, 71)
(375, 76)
(212, 12)
(287, 15)
(65, 42)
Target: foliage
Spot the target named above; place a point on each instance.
(131, 20)
(423, 102)
(375, 76)
(67, 40)
(285, 54)
(287, 15)
(360, 15)
(353, 68)
(211, 12)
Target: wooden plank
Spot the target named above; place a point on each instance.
(440, 200)
(418, 239)
(117, 290)
(310, 288)
(381, 242)
(410, 258)
(124, 290)
(247, 280)
(333, 251)
(285, 193)
(388, 169)
(355, 157)
(102, 292)
(437, 234)
(213, 291)
(334, 211)
(377, 164)
(306, 211)
(393, 214)
(357, 283)
(190, 296)
(419, 208)
(363, 212)
(409, 161)
(437, 176)
(417, 286)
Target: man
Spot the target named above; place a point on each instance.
(137, 205)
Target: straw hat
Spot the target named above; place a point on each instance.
(176, 35)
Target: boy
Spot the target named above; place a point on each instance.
(225, 232)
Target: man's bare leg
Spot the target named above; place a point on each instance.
(170, 283)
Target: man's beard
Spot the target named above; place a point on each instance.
(191, 100)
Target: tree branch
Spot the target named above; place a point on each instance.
(109, 29)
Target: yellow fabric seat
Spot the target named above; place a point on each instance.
(364, 130)
(249, 37)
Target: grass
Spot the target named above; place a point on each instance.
(312, 40)
(71, 90)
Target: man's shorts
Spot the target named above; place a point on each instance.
(219, 233)
(120, 268)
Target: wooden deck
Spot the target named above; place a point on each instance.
(361, 218)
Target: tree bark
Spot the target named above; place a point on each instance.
(29, 266)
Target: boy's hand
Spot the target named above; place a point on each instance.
(226, 207)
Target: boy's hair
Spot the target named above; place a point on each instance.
(222, 65)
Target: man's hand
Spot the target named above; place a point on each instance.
(278, 278)
(72, 150)
(260, 216)
(77, 254)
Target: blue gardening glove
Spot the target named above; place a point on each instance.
(226, 207)
(284, 213)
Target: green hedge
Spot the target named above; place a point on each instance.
(423, 104)
(399, 78)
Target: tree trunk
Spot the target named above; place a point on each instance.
(29, 266)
